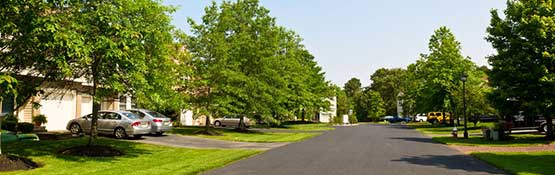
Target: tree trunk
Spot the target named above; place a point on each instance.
(96, 108)
(303, 113)
(242, 123)
(549, 134)
(207, 123)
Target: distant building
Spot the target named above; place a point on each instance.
(327, 116)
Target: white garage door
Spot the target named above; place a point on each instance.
(59, 109)
(86, 105)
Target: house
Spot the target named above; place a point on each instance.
(327, 116)
(62, 103)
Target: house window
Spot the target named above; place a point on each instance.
(7, 104)
(123, 102)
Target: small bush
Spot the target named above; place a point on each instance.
(353, 119)
(39, 119)
(25, 127)
(10, 117)
(9, 125)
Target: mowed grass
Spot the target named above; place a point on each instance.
(428, 128)
(251, 136)
(521, 163)
(138, 159)
(518, 140)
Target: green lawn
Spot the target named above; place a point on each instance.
(138, 159)
(252, 136)
(519, 140)
(428, 128)
(521, 163)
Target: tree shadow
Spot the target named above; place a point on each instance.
(52, 148)
(452, 162)
(416, 139)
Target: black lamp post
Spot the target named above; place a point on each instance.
(463, 79)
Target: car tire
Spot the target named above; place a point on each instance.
(137, 136)
(120, 133)
(75, 129)
(218, 124)
(159, 133)
(421, 120)
(544, 128)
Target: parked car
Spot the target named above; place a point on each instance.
(159, 122)
(421, 118)
(231, 120)
(395, 119)
(121, 124)
(484, 118)
(434, 117)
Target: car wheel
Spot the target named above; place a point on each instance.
(137, 136)
(421, 120)
(75, 129)
(218, 124)
(120, 133)
(159, 133)
(544, 128)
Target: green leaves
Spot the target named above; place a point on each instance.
(251, 65)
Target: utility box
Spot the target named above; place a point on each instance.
(345, 119)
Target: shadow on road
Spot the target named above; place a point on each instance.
(455, 162)
(416, 139)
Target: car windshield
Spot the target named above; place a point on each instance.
(155, 114)
(130, 115)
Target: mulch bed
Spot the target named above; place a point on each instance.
(92, 151)
(12, 163)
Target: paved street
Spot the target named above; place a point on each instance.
(364, 149)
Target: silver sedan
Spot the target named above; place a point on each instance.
(121, 124)
(160, 123)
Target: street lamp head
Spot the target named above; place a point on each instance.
(464, 76)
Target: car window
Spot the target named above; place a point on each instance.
(138, 114)
(155, 114)
(438, 114)
(432, 114)
(112, 116)
(130, 115)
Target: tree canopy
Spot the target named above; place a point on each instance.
(524, 66)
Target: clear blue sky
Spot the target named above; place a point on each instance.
(353, 38)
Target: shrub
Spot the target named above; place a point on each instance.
(39, 119)
(9, 125)
(25, 127)
(10, 117)
(353, 119)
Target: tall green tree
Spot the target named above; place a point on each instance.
(247, 65)
(369, 106)
(523, 67)
(387, 82)
(120, 46)
(440, 71)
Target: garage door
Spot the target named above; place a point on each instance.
(86, 105)
(59, 109)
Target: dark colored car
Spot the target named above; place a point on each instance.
(395, 119)
(484, 118)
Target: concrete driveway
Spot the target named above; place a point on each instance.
(363, 149)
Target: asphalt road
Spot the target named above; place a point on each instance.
(364, 149)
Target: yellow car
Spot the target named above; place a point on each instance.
(434, 117)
